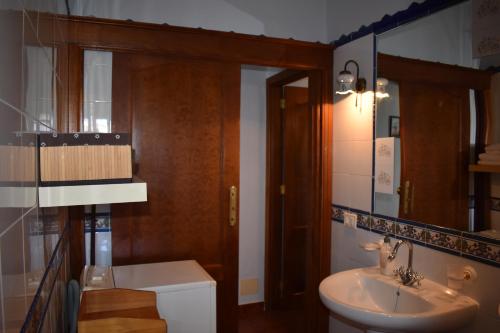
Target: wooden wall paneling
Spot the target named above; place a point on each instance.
(482, 180)
(321, 98)
(70, 121)
(231, 164)
(297, 173)
(413, 70)
(185, 132)
(228, 47)
(75, 88)
(233, 47)
(273, 198)
(437, 173)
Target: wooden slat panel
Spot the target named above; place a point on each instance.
(73, 163)
(120, 310)
(17, 163)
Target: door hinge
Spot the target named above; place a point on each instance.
(282, 103)
(282, 189)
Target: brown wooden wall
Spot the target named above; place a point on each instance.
(226, 47)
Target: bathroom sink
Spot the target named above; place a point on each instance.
(381, 303)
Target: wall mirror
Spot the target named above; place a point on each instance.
(436, 110)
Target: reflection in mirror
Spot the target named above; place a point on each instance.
(97, 102)
(435, 115)
(40, 99)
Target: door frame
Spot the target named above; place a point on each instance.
(316, 250)
(86, 33)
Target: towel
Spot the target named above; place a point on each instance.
(493, 148)
(489, 157)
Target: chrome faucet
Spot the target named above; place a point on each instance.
(408, 276)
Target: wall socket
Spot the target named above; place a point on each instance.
(351, 220)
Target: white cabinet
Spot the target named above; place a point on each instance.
(186, 294)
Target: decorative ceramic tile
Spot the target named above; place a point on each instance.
(410, 231)
(452, 241)
(442, 239)
(481, 249)
(337, 214)
(382, 225)
(363, 221)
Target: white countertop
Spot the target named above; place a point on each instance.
(163, 276)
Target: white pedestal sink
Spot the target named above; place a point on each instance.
(381, 303)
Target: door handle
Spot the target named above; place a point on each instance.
(233, 199)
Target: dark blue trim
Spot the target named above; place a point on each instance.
(383, 217)
(472, 236)
(341, 207)
(481, 260)
(426, 227)
(359, 211)
(47, 304)
(389, 22)
(49, 267)
(443, 229)
(87, 230)
(411, 222)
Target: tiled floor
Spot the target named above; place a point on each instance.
(253, 318)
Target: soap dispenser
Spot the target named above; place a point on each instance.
(386, 265)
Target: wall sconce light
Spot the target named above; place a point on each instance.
(381, 91)
(346, 80)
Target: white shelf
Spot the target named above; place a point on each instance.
(56, 196)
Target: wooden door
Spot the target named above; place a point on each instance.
(290, 274)
(183, 116)
(296, 173)
(434, 121)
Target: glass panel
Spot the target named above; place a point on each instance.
(97, 88)
(97, 83)
(40, 88)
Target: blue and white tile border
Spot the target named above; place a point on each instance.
(459, 243)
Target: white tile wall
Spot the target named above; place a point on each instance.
(353, 131)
